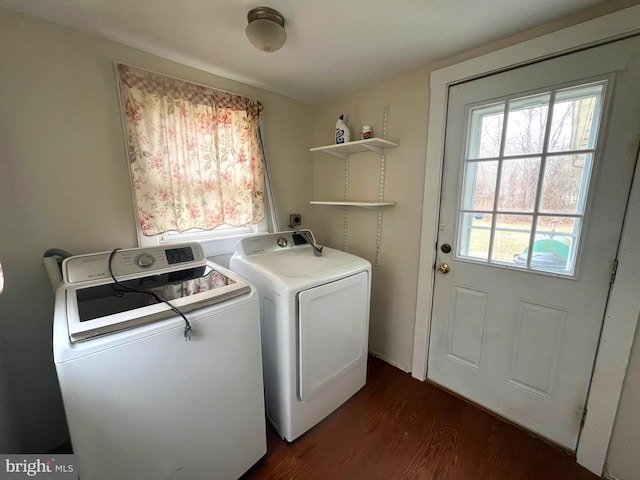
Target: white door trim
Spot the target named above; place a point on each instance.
(623, 308)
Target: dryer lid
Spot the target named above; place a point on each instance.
(287, 271)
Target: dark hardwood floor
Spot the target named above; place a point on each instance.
(399, 428)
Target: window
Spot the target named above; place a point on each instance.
(195, 158)
(527, 169)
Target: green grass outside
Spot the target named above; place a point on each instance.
(506, 244)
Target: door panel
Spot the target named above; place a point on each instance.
(533, 364)
(537, 169)
(469, 315)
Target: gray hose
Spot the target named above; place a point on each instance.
(52, 252)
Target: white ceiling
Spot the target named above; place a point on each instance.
(333, 46)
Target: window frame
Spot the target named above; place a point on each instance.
(222, 239)
(502, 104)
(219, 241)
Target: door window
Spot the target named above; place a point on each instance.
(527, 169)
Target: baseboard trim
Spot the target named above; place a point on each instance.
(390, 362)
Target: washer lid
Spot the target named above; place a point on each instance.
(290, 270)
(100, 307)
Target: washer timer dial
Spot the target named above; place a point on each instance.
(144, 260)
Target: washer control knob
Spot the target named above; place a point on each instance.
(282, 242)
(144, 260)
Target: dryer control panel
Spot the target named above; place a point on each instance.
(133, 262)
(274, 242)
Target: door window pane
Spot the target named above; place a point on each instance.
(480, 185)
(518, 185)
(554, 245)
(485, 131)
(542, 187)
(566, 179)
(511, 237)
(476, 230)
(526, 125)
(576, 118)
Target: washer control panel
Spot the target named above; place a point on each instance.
(133, 262)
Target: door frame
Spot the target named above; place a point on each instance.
(623, 308)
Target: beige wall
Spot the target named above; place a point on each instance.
(394, 281)
(64, 183)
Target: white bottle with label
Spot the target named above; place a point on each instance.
(343, 134)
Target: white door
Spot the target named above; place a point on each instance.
(537, 169)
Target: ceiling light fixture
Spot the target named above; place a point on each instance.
(266, 29)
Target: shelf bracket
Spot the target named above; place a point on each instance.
(378, 150)
(383, 168)
(343, 156)
(345, 214)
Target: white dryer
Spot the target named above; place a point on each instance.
(314, 322)
(141, 402)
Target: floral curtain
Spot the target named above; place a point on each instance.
(194, 153)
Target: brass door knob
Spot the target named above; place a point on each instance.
(444, 268)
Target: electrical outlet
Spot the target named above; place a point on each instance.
(295, 219)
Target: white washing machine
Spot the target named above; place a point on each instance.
(315, 325)
(142, 402)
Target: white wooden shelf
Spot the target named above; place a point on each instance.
(343, 150)
(348, 203)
